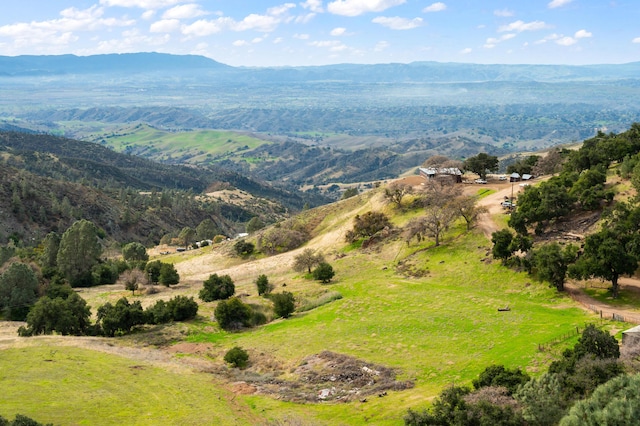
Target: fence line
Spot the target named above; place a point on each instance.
(605, 313)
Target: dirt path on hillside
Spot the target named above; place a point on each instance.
(630, 314)
(492, 204)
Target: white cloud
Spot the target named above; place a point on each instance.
(492, 41)
(278, 40)
(550, 37)
(61, 31)
(184, 11)
(636, 40)
(129, 42)
(258, 40)
(262, 23)
(520, 26)
(566, 41)
(313, 5)
(240, 43)
(397, 23)
(582, 34)
(338, 31)
(435, 7)
(381, 45)
(143, 4)
(165, 26)
(466, 51)
(280, 10)
(148, 14)
(326, 43)
(558, 3)
(202, 27)
(503, 13)
(303, 19)
(358, 7)
(570, 41)
(301, 36)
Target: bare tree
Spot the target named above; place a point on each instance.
(440, 192)
(415, 228)
(132, 279)
(437, 219)
(436, 161)
(396, 191)
(307, 260)
(549, 164)
(466, 207)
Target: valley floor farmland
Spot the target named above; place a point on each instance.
(429, 313)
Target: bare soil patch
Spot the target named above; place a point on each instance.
(323, 377)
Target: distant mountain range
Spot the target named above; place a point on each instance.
(423, 72)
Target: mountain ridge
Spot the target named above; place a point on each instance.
(419, 71)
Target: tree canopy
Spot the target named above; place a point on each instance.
(79, 251)
(217, 287)
(481, 164)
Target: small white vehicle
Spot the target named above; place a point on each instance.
(480, 181)
(502, 177)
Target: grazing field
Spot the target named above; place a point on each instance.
(438, 329)
(198, 146)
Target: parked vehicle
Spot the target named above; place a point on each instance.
(480, 181)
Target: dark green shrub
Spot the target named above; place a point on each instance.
(168, 275)
(237, 357)
(217, 288)
(283, 304)
(323, 272)
(243, 248)
(152, 269)
(159, 313)
(263, 285)
(233, 314)
(498, 375)
(182, 308)
(121, 317)
(134, 251)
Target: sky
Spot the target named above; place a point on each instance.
(318, 32)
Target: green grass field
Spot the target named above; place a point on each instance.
(191, 146)
(73, 386)
(437, 330)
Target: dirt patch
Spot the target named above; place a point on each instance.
(324, 377)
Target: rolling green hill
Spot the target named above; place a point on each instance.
(428, 313)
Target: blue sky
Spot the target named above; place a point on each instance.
(317, 32)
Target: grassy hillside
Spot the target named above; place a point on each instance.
(86, 387)
(201, 146)
(430, 314)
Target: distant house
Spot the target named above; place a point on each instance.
(527, 177)
(514, 177)
(441, 173)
